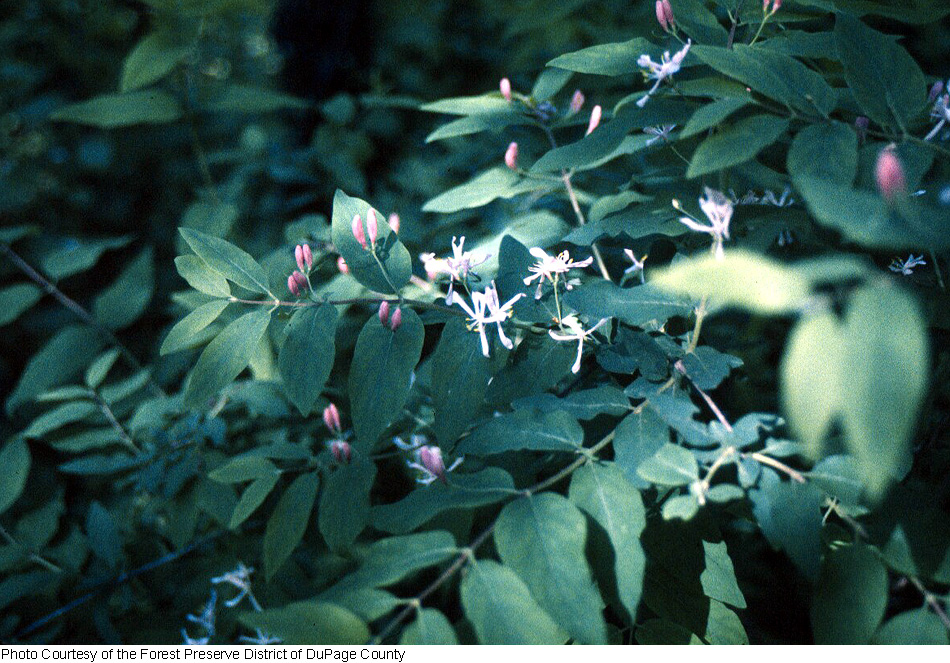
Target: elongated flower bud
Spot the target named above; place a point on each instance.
(358, 231)
(394, 222)
(577, 102)
(511, 156)
(935, 91)
(396, 320)
(661, 16)
(384, 313)
(342, 451)
(292, 285)
(307, 257)
(668, 13)
(505, 86)
(594, 119)
(889, 174)
(431, 459)
(372, 226)
(298, 254)
(341, 266)
(331, 419)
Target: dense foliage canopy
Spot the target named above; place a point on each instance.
(477, 322)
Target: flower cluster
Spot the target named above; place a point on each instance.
(486, 309)
(906, 267)
(660, 71)
(551, 267)
(426, 460)
(718, 209)
(458, 267)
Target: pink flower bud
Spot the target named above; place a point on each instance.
(342, 452)
(341, 266)
(396, 319)
(292, 286)
(298, 254)
(511, 156)
(296, 283)
(331, 419)
(668, 13)
(505, 86)
(889, 174)
(935, 91)
(594, 119)
(384, 313)
(358, 231)
(661, 16)
(307, 256)
(394, 222)
(372, 226)
(776, 5)
(431, 459)
(577, 102)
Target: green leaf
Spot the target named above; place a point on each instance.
(243, 468)
(213, 218)
(827, 151)
(549, 83)
(228, 260)
(775, 75)
(365, 265)
(109, 111)
(886, 355)
(486, 103)
(201, 277)
(462, 491)
(699, 22)
(604, 493)
(663, 632)
(99, 369)
(790, 514)
(238, 98)
(707, 367)
(185, 331)
(811, 374)
(150, 60)
(735, 144)
(430, 628)
(914, 627)
(252, 497)
(682, 507)
(719, 577)
(16, 299)
(226, 356)
(309, 623)
(460, 376)
(741, 279)
(524, 429)
(103, 535)
(77, 255)
(344, 503)
(584, 404)
(501, 609)
(883, 76)
(473, 124)
(605, 59)
(288, 522)
(123, 302)
(637, 438)
(306, 357)
(63, 357)
(712, 115)
(640, 306)
(672, 465)
(839, 477)
(56, 418)
(850, 596)
(366, 603)
(15, 461)
(542, 537)
(392, 559)
(723, 627)
(492, 184)
(383, 363)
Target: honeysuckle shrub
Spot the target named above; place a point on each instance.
(648, 346)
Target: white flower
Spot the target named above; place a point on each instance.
(661, 70)
(718, 209)
(577, 333)
(636, 267)
(240, 578)
(941, 113)
(659, 133)
(906, 267)
(496, 312)
(188, 640)
(457, 267)
(206, 619)
(550, 267)
(261, 639)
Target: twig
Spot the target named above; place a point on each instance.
(34, 557)
(795, 475)
(111, 418)
(77, 310)
(931, 600)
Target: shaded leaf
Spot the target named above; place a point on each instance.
(288, 522)
(306, 357)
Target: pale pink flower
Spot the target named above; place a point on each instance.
(505, 86)
(889, 174)
(577, 102)
(666, 67)
(550, 267)
(594, 119)
(511, 156)
(718, 209)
